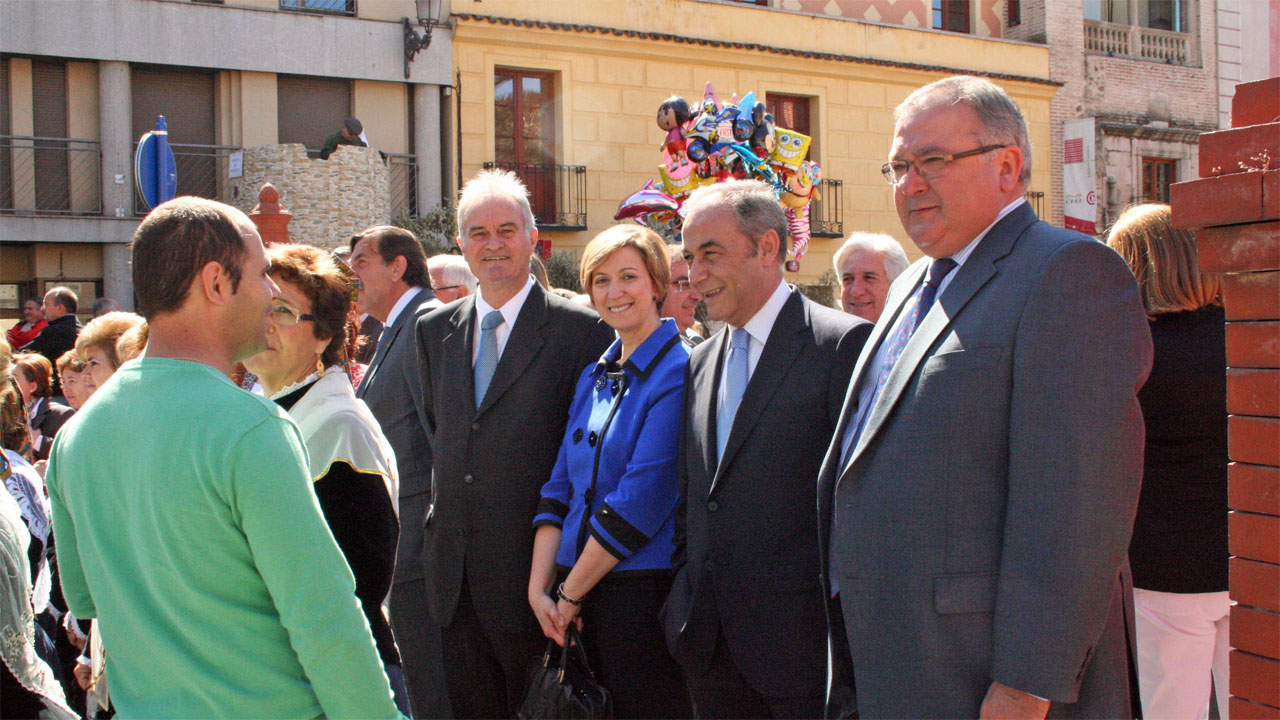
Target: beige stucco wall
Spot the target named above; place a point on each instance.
(609, 87)
(383, 109)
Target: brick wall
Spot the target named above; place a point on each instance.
(330, 199)
(1236, 209)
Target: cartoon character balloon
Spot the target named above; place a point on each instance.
(715, 142)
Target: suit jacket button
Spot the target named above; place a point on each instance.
(592, 438)
(475, 427)
(713, 506)
(468, 479)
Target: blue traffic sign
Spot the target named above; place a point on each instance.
(154, 168)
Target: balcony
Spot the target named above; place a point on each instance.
(328, 7)
(50, 176)
(827, 211)
(1139, 42)
(402, 183)
(557, 193)
(203, 171)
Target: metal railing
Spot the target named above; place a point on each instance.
(402, 183)
(336, 7)
(1137, 41)
(1036, 200)
(557, 193)
(53, 176)
(202, 171)
(826, 213)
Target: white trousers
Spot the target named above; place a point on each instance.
(1183, 639)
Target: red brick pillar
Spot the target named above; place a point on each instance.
(270, 216)
(1236, 210)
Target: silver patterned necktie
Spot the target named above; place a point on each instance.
(487, 361)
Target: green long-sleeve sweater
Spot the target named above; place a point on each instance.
(186, 523)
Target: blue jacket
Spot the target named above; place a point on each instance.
(627, 444)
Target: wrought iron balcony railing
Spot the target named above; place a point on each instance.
(827, 212)
(333, 7)
(403, 183)
(557, 193)
(1138, 42)
(50, 176)
(1037, 201)
(203, 171)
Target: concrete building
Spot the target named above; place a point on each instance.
(586, 79)
(82, 80)
(1248, 48)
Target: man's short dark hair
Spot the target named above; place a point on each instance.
(353, 126)
(392, 242)
(174, 242)
(65, 297)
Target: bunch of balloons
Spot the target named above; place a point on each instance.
(714, 143)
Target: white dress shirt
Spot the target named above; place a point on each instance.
(510, 311)
(758, 329)
(400, 305)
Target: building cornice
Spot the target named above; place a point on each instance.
(755, 47)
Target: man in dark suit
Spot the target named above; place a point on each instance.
(393, 273)
(980, 492)
(498, 370)
(60, 336)
(746, 617)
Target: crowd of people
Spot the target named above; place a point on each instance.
(369, 483)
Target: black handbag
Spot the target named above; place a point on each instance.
(567, 690)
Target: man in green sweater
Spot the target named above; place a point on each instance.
(184, 513)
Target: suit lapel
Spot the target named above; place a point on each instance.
(976, 272)
(706, 385)
(455, 355)
(388, 339)
(522, 345)
(785, 341)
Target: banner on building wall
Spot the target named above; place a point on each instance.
(1079, 179)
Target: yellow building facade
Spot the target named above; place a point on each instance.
(609, 64)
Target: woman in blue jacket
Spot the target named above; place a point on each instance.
(604, 526)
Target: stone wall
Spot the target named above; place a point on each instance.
(330, 199)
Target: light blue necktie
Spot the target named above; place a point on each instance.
(735, 383)
(487, 361)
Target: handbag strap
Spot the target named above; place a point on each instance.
(573, 638)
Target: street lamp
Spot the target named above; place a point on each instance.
(428, 18)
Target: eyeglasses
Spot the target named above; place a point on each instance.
(929, 166)
(682, 286)
(282, 314)
(448, 287)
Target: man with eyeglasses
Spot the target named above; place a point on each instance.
(977, 500)
(682, 299)
(451, 277)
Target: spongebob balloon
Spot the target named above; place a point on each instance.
(710, 142)
(789, 149)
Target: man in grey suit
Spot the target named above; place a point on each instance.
(745, 617)
(393, 274)
(979, 494)
(498, 370)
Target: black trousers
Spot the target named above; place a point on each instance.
(421, 656)
(486, 668)
(724, 693)
(627, 650)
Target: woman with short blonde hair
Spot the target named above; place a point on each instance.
(602, 548)
(96, 345)
(1178, 553)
